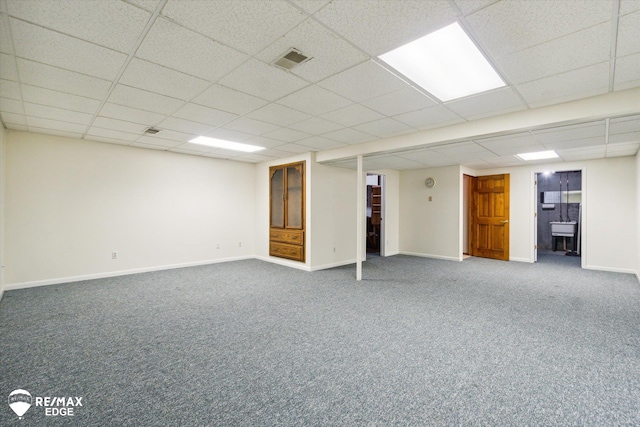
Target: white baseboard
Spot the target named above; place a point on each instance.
(518, 259)
(282, 261)
(446, 258)
(332, 265)
(611, 269)
(70, 279)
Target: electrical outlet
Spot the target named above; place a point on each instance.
(217, 245)
(334, 249)
(114, 255)
(239, 244)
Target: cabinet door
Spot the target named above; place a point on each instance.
(294, 197)
(277, 198)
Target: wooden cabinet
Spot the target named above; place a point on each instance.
(286, 212)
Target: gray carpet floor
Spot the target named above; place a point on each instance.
(419, 342)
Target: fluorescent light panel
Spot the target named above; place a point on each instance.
(446, 63)
(227, 145)
(539, 155)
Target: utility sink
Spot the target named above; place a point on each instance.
(564, 229)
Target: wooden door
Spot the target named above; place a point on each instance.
(489, 237)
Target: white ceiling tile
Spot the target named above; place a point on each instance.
(135, 115)
(186, 126)
(575, 143)
(330, 54)
(173, 135)
(628, 6)
(399, 102)
(294, 148)
(229, 135)
(583, 153)
(352, 115)
(158, 141)
(23, 128)
(54, 78)
(628, 34)
(429, 118)
(423, 155)
(11, 106)
(113, 134)
(465, 147)
(380, 26)
(144, 100)
(149, 146)
(572, 132)
(38, 95)
(500, 26)
(10, 89)
(54, 125)
(57, 132)
(320, 143)
(314, 100)
(622, 138)
(263, 141)
(107, 140)
(52, 48)
(112, 24)
(588, 81)
(384, 128)
(165, 81)
(349, 136)
(148, 5)
(287, 135)
(623, 149)
(191, 52)
(205, 115)
(311, 6)
(54, 113)
(511, 144)
(13, 119)
(262, 80)
(222, 98)
(278, 114)
(8, 69)
(624, 125)
(255, 24)
(469, 6)
(559, 55)
(278, 153)
(507, 161)
(252, 126)
(393, 162)
(122, 125)
(316, 126)
(627, 73)
(252, 158)
(364, 81)
(486, 104)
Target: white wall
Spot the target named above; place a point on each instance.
(431, 228)
(609, 211)
(638, 215)
(3, 136)
(71, 202)
(333, 210)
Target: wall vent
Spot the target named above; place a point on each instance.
(291, 59)
(151, 131)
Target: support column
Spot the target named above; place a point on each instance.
(360, 220)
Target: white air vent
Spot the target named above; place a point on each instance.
(151, 131)
(291, 59)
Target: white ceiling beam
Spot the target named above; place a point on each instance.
(615, 104)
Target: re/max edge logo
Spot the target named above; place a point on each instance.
(21, 400)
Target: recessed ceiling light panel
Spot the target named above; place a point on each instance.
(227, 145)
(446, 63)
(538, 155)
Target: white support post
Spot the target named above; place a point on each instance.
(360, 219)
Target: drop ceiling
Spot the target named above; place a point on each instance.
(107, 70)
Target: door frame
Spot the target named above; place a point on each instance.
(533, 225)
(383, 212)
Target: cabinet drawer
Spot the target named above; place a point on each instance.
(285, 250)
(294, 237)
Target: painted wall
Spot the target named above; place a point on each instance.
(609, 211)
(431, 228)
(637, 158)
(3, 136)
(71, 202)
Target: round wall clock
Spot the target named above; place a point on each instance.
(430, 182)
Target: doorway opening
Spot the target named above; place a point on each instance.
(375, 215)
(558, 225)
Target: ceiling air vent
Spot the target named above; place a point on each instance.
(291, 59)
(151, 131)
